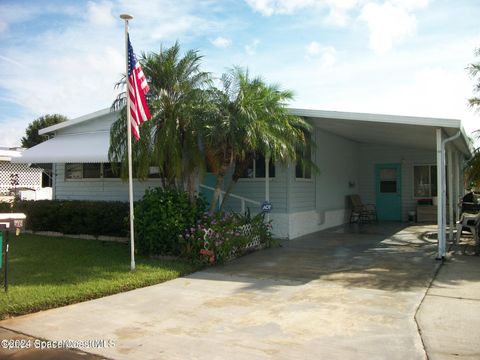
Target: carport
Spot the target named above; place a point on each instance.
(390, 143)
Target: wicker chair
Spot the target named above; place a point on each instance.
(362, 213)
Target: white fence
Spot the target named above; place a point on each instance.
(26, 177)
(243, 200)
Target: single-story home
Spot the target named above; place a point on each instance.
(390, 161)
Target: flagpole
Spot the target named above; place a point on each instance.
(127, 17)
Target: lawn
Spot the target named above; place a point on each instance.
(47, 272)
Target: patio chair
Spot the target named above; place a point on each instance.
(362, 213)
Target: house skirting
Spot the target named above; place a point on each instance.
(294, 225)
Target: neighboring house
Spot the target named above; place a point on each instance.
(17, 178)
(390, 161)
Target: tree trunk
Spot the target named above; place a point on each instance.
(240, 166)
(227, 193)
(191, 182)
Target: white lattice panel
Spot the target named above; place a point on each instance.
(27, 177)
(246, 230)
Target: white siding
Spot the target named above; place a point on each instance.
(338, 162)
(97, 189)
(321, 203)
(101, 123)
(254, 189)
(376, 154)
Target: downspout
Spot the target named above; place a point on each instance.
(443, 188)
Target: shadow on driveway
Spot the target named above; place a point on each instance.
(385, 256)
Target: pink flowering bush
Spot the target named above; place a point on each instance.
(217, 238)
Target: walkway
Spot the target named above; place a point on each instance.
(449, 317)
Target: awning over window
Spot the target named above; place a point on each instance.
(74, 148)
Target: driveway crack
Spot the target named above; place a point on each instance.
(437, 270)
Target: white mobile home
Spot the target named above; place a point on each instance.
(390, 161)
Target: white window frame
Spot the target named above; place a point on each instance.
(255, 178)
(430, 165)
(89, 179)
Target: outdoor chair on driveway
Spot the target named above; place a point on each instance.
(361, 213)
(470, 219)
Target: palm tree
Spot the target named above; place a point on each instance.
(251, 117)
(171, 139)
(474, 71)
(472, 168)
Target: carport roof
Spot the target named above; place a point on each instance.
(403, 131)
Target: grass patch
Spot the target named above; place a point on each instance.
(47, 272)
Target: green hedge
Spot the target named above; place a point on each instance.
(161, 216)
(5, 207)
(76, 217)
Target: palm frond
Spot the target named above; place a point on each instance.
(170, 139)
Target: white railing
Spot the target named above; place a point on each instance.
(242, 199)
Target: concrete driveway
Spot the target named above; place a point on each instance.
(338, 294)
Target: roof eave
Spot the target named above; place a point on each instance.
(75, 121)
(384, 118)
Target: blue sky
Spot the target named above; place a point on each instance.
(404, 57)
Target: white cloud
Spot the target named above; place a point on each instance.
(16, 129)
(324, 55)
(389, 21)
(429, 81)
(388, 24)
(313, 48)
(17, 12)
(221, 42)
(411, 4)
(251, 48)
(72, 84)
(339, 11)
(11, 61)
(100, 14)
(271, 7)
(73, 70)
(165, 19)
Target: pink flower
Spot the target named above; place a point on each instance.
(206, 252)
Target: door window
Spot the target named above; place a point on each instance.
(388, 180)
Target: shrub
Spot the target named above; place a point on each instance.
(161, 216)
(221, 237)
(5, 207)
(259, 227)
(76, 216)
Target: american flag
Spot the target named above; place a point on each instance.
(137, 89)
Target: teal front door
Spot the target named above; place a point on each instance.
(388, 189)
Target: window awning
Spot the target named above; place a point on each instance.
(72, 148)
